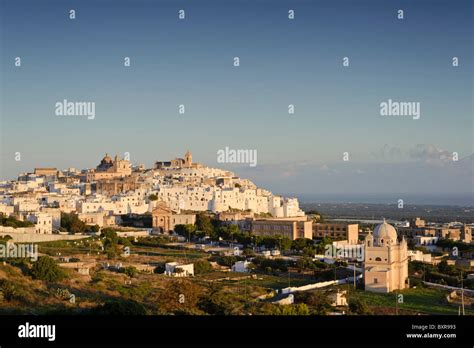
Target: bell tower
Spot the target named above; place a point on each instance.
(188, 159)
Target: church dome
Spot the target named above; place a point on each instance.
(107, 159)
(385, 233)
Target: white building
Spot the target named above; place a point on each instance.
(43, 222)
(218, 199)
(417, 255)
(174, 269)
(7, 210)
(426, 241)
(241, 267)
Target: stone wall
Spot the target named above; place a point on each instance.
(28, 235)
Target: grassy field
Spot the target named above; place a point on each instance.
(277, 282)
(83, 246)
(90, 247)
(420, 300)
(172, 253)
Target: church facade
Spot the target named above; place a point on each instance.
(386, 260)
(164, 219)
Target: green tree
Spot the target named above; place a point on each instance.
(274, 242)
(188, 231)
(244, 238)
(234, 230)
(226, 261)
(301, 243)
(204, 224)
(304, 263)
(321, 246)
(358, 306)
(110, 236)
(72, 223)
(444, 268)
(110, 242)
(248, 252)
(285, 244)
(202, 266)
(224, 233)
(124, 241)
(12, 221)
(309, 251)
(45, 268)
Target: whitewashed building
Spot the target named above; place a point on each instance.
(175, 269)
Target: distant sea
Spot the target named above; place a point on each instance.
(442, 200)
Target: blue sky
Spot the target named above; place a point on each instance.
(283, 62)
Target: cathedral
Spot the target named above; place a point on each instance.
(177, 163)
(109, 168)
(386, 260)
(118, 166)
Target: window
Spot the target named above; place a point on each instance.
(376, 281)
(378, 259)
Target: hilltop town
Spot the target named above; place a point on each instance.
(114, 188)
(143, 236)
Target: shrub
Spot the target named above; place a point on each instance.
(8, 289)
(358, 306)
(12, 221)
(63, 294)
(47, 269)
(226, 261)
(120, 307)
(93, 228)
(130, 271)
(202, 266)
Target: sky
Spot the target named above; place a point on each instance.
(282, 62)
